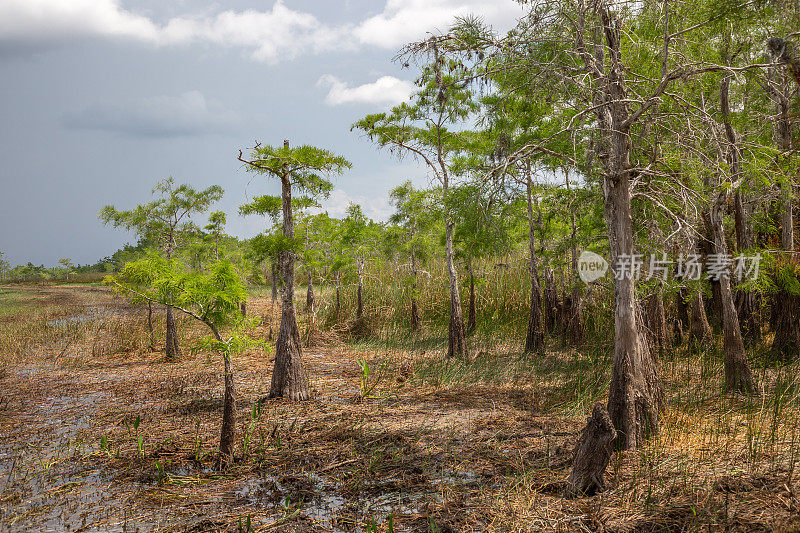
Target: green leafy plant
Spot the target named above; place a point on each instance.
(369, 386)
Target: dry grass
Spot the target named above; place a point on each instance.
(101, 433)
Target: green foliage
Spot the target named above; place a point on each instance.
(413, 223)
(271, 206)
(211, 297)
(482, 223)
(421, 128)
(166, 217)
(306, 167)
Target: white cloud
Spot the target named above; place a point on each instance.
(385, 90)
(276, 34)
(269, 35)
(376, 208)
(159, 116)
(403, 21)
(53, 20)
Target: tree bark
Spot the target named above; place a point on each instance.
(575, 316)
(310, 294)
(635, 394)
(575, 310)
(700, 329)
(534, 339)
(786, 344)
(227, 436)
(415, 321)
(706, 247)
(150, 323)
(550, 301)
(681, 326)
(289, 379)
(785, 304)
(173, 351)
(656, 322)
(275, 275)
(748, 304)
(592, 454)
(471, 313)
(737, 370)
(456, 335)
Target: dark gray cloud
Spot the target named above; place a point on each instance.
(187, 114)
(84, 125)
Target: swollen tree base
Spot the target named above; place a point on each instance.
(456, 335)
(634, 398)
(534, 339)
(289, 379)
(592, 454)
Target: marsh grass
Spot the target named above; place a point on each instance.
(479, 443)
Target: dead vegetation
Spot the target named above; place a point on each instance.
(101, 433)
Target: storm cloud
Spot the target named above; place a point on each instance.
(187, 114)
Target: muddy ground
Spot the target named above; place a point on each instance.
(99, 433)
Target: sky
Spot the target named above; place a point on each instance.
(101, 99)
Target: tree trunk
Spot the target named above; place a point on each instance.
(275, 275)
(656, 322)
(635, 394)
(550, 301)
(592, 453)
(575, 315)
(243, 307)
(471, 313)
(785, 305)
(227, 436)
(456, 336)
(289, 379)
(700, 330)
(747, 303)
(575, 311)
(415, 321)
(534, 339)
(150, 323)
(172, 349)
(310, 295)
(707, 247)
(737, 371)
(681, 326)
(786, 344)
